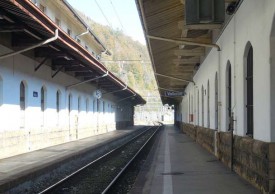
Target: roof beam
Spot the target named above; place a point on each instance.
(203, 26)
(182, 26)
(171, 77)
(83, 74)
(186, 61)
(11, 28)
(4, 15)
(77, 69)
(186, 52)
(20, 42)
(67, 62)
(48, 52)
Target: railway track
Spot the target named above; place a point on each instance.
(100, 175)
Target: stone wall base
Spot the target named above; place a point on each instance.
(14, 142)
(252, 159)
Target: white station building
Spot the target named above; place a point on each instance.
(221, 54)
(53, 88)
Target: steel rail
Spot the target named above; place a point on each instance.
(53, 186)
(130, 162)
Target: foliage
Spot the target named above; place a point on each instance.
(130, 60)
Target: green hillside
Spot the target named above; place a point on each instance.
(129, 60)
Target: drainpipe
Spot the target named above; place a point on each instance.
(185, 42)
(31, 47)
(232, 142)
(89, 80)
(219, 93)
(232, 120)
(219, 103)
(86, 32)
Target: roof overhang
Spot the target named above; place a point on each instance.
(176, 46)
(104, 48)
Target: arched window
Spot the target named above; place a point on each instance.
(22, 96)
(97, 105)
(103, 107)
(192, 109)
(42, 104)
(42, 98)
(216, 101)
(198, 108)
(87, 105)
(70, 103)
(202, 106)
(1, 91)
(79, 104)
(22, 104)
(189, 109)
(57, 101)
(208, 105)
(249, 89)
(94, 106)
(228, 96)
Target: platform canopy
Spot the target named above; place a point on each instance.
(179, 34)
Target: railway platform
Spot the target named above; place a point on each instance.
(26, 168)
(178, 165)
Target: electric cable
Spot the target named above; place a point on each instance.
(103, 13)
(117, 15)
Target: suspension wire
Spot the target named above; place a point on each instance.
(103, 14)
(117, 15)
(116, 37)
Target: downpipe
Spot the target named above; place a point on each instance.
(89, 80)
(31, 47)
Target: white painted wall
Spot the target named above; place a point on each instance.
(252, 23)
(69, 21)
(48, 128)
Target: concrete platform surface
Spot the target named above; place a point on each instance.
(16, 169)
(178, 165)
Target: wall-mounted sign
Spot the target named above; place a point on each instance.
(97, 94)
(174, 94)
(35, 94)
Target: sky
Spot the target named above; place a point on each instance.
(120, 14)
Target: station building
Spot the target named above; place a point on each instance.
(221, 54)
(51, 79)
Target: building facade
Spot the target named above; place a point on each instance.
(233, 90)
(49, 74)
(228, 106)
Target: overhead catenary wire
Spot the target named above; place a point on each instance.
(117, 15)
(121, 62)
(103, 14)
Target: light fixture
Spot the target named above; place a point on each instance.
(181, 46)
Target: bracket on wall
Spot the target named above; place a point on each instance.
(60, 68)
(126, 98)
(89, 80)
(116, 90)
(41, 63)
